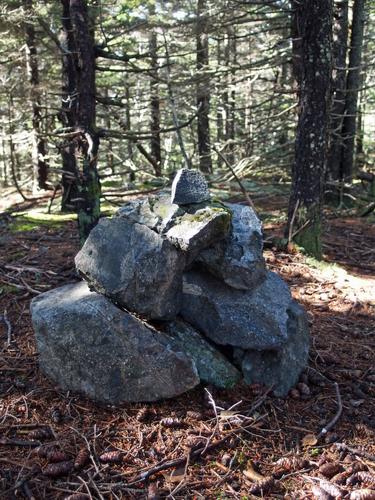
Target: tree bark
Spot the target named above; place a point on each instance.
(39, 150)
(155, 100)
(70, 174)
(304, 214)
(203, 90)
(352, 88)
(340, 48)
(86, 140)
(296, 35)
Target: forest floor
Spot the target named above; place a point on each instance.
(248, 444)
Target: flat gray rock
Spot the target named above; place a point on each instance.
(134, 266)
(248, 319)
(237, 260)
(87, 344)
(280, 369)
(189, 186)
(197, 229)
(213, 367)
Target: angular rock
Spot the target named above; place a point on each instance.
(248, 319)
(166, 211)
(238, 260)
(280, 369)
(189, 186)
(191, 228)
(89, 345)
(213, 367)
(140, 211)
(197, 229)
(134, 266)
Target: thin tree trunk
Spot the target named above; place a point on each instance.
(304, 214)
(352, 89)
(128, 127)
(340, 48)
(203, 89)
(155, 100)
(86, 140)
(70, 175)
(296, 35)
(14, 165)
(39, 150)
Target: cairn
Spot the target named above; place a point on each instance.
(175, 292)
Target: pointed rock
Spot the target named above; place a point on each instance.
(189, 186)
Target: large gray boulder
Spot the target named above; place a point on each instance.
(247, 319)
(213, 367)
(134, 266)
(189, 186)
(237, 260)
(87, 344)
(280, 369)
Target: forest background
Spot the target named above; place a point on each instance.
(106, 98)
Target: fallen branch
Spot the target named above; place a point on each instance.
(19, 442)
(355, 451)
(9, 327)
(242, 187)
(335, 419)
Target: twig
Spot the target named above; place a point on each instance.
(242, 187)
(9, 327)
(332, 422)
(290, 232)
(355, 451)
(55, 189)
(18, 442)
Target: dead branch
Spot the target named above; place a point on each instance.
(335, 419)
(4, 317)
(242, 187)
(355, 451)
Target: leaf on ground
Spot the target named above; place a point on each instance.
(309, 440)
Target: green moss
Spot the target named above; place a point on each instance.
(309, 239)
(29, 221)
(5, 289)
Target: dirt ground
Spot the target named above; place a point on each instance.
(241, 443)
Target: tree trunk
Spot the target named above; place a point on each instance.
(229, 97)
(296, 35)
(304, 214)
(70, 174)
(203, 89)
(340, 48)
(86, 140)
(39, 150)
(352, 88)
(155, 100)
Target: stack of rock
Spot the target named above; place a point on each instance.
(176, 292)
